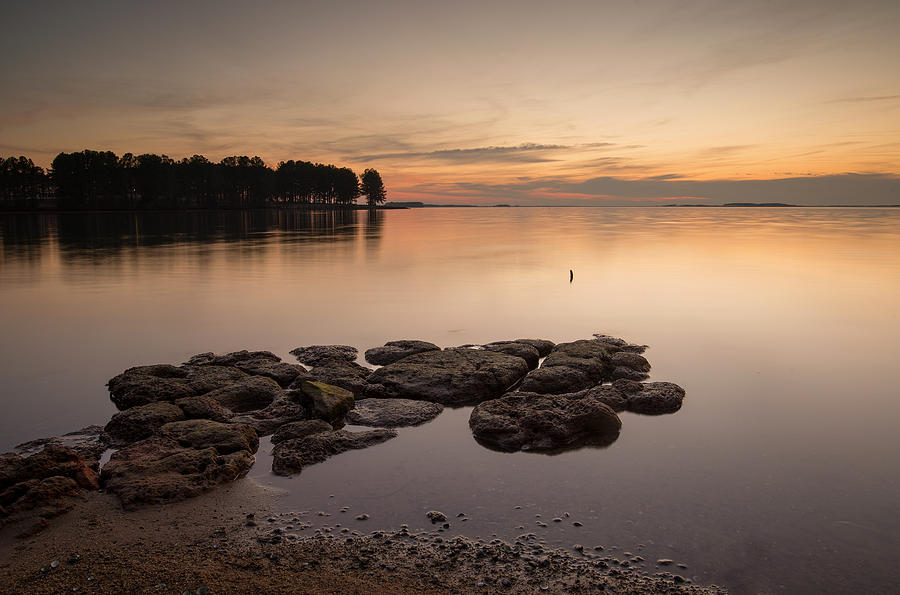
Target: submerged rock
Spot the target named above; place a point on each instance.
(291, 456)
(450, 377)
(392, 413)
(523, 421)
(140, 422)
(394, 351)
(347, 375)
(249, 394)
(301, 429)
(313, 355)
(529, 353)
(323, 401)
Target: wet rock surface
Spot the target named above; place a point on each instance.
(450, 376)
(313, 355)
(527, 421)
(347, 375)
(140, 422)
(394, 351)
(323, 401)
(529, 353)
(392, 413)
(291, 456)
(300, 429)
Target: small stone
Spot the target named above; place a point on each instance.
(460, 515)
(54, 564)
(578, 547)
(577, 524)
(436, 516)
(557, 520)
(362, 517)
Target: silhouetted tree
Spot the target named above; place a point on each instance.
(21, 182)
(373, 187)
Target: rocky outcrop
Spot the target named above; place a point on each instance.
(527, 352)
(86, 442)
(186, 459)
(36, 488)
(291, 456)
(347, 375)
(231, 359)
(249, 394)
(394, 351)
(140, 422)
(523, 421)
(254, 363)
(300, 429)
(543, 346)
(450, 377)
(323, 401)
(163, 382)
(314, 355)
(620, 344)
(392, 413)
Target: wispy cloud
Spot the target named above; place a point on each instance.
(525, 152)
(865, 99)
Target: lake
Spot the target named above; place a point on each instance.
(779, 474)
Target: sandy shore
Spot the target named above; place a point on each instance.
(208, 544)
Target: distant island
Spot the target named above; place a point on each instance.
(101, 180)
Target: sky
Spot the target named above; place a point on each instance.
(569, 103)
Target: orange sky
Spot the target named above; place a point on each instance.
(471, 101)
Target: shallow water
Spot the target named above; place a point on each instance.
(779, 474)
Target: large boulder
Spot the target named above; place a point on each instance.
(313, 355)
(572, 367)
(347, 375)
(163, 382)
(159, 469)
(301, 429)
(140, 422)
(248, 394)
(203, 433)
(254, 363)
(394, 351)
(291, 456)
(323, 401)
(450, 377)
(529, 353)
(392, 413)
(533, 422)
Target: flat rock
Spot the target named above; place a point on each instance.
(140, 422)
(164, 382)
(450, 376)
(284, 409)
(313, 355)
(323, 401)
(230, 359)
(555, 380)
(291, 456)
(248, 394)
(86, 442)
(523, 421)
(203, 433)
(203, 407)
(651, 398)
(158, 470)
(529, 353)
(394, 351)
(301, 429)
(620, 344)
(347, 375)
(392, 413)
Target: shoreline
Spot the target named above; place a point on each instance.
(221, 541)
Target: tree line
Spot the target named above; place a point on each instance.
(103, 180)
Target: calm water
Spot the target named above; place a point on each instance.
(780, 473)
